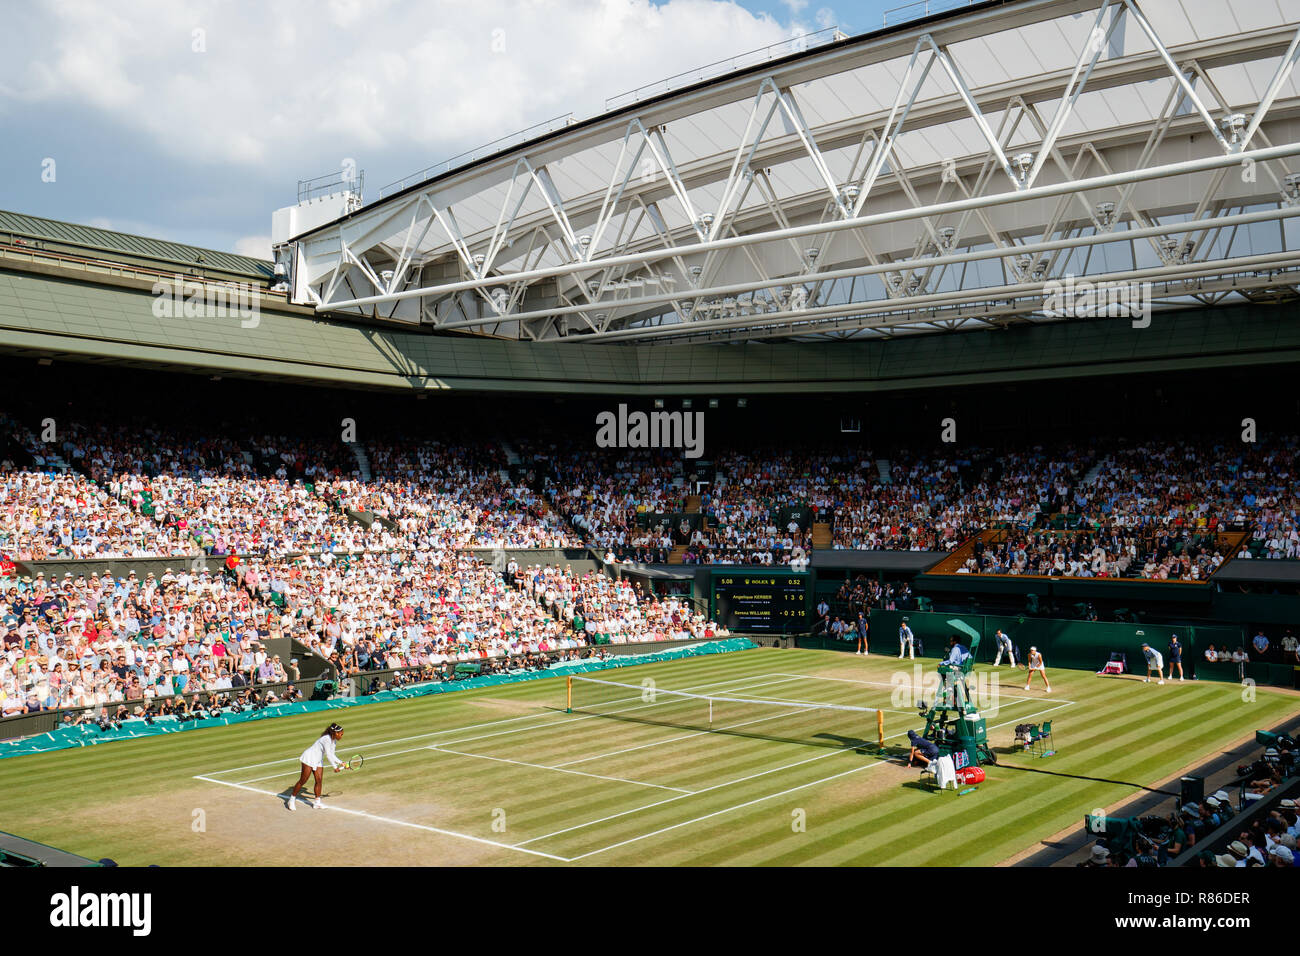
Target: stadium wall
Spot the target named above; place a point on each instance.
(49, 313)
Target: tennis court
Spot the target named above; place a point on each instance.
(625, 749)
(689, 754)
(639, 772)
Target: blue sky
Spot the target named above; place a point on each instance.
(192, 120)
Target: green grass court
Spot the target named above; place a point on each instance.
(504, 776)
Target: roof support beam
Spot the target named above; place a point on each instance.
(1186, 167)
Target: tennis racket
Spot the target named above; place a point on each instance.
(354, 763)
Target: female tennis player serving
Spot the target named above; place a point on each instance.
(313, 760)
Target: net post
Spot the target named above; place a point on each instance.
(880, 727)
(568, 694)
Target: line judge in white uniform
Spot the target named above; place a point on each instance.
(313, 761)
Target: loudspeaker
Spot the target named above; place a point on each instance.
(1193, 790)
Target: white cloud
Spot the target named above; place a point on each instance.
(294, 85)
(201, 146)
(258, 247)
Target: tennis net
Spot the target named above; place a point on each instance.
(788, 721)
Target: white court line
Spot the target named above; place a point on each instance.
(542, 766)
(877, 683)
(771, 796)
(753, 776)
(489, 723)
(401, 823)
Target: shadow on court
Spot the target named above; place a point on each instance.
(1080, 776)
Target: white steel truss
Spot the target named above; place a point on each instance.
(933, 178)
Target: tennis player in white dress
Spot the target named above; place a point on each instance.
(1036, 667)
(313, 762)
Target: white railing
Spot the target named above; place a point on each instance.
(798, 44)
(922, 9)
(487, 149)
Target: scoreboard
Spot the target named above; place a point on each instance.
(761, 601)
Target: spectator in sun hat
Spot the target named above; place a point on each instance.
(1254, 855)
(1239, 852)
(1098, 856)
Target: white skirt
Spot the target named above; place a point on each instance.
(313, 756)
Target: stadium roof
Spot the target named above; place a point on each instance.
(17, 229)
(945, 174)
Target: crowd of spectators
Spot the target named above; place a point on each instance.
(1264, 840)
(603, 610)
(1149, 510)
(377, 572)
(454, 495)
(395, 587)
(1113, 552)
(607, 495)
(94, 640)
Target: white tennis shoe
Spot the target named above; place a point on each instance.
(317, 805)
(292, 804)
